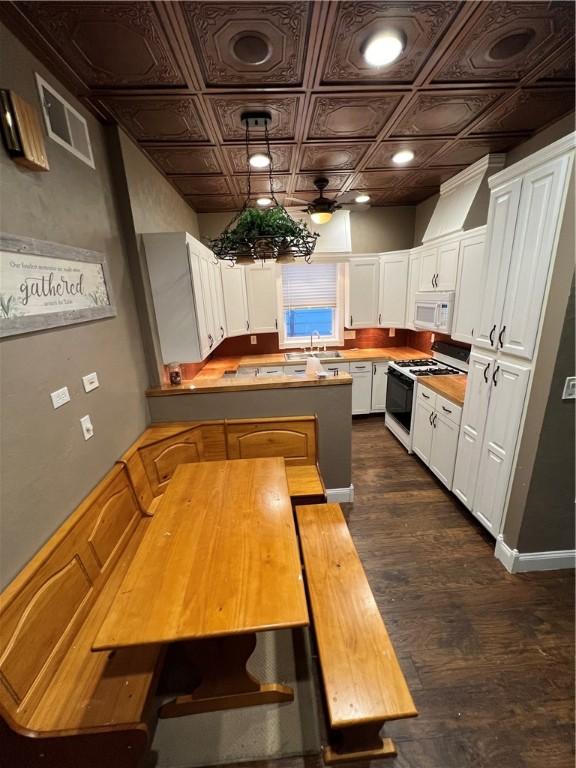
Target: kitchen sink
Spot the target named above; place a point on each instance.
(305, 355)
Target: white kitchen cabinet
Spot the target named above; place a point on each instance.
(444, 446)
(423, 431)
(379, 385)
(261, 298)
(393, 288)
(362, 390)
(428, 260)
(363, 293)
(209, 342)
(334, 236)
(235, 301)
(336, 368)
(467, 304)
(270, 370)
(436, 429)
(413, 286)
(474, 415)
(295, 370)
(447, 266)
(217, 299)
(536, 228)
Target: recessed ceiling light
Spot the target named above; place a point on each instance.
(259, 160)
(321, 217)
(362, 199)
(383, 49)
(264, 202)
(403, 157)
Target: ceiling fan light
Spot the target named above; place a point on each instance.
(259, 160)
(362, 198)
(264, 202)
(383, 49)
(403, 157)
(321, 217)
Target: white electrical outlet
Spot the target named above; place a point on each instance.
(90, 381)
(253, 340)
(391, 332)
(60, 397)
(349, 334)
(87, 428)
(569, 388)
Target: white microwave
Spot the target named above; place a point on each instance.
(433, 311)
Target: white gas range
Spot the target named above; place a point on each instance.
(447, 360)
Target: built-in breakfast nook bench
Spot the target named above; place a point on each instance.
(194, 537)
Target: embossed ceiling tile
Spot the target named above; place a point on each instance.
(560, 70)
(228, 110)
(281, 156)
(185, 159)
(439, 113)
(360, 115)
(428, 177)
(332, 157)
(508, 41)
(208, 203)
(108, 44)
(468, 151)
(527, 111)
(306, 182)
(202, 185)
(158, 118)
(403, 196)
(381, 179)
(254, 43)
(420, 23)
(260, 185)
(382, 157)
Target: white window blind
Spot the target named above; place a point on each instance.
(309, 285)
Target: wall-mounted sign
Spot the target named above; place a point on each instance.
(44, 285)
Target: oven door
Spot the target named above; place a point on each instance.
(399, 397)
(426, 315)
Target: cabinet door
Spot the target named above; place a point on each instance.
(362, 392)
(363, 288)
(428, 261)
(208, 301)
(480, 368)
(467, 304)
(447, 267)
(217, 302)
(235, 304)
(379, 384)
(422, 440)
(538, 221)
(502, 215)
(413, 286)
(261, 295)
(393, 287)
(509, 385)
(444, 445)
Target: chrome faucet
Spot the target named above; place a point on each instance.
(317, 334)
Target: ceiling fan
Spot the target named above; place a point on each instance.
(322, 208)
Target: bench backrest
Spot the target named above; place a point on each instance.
(153, 459)
(43, 608)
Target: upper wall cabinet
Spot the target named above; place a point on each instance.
(335, 236)
(467, 306)
(523, 224)
(235, 300)
(187, 296)
(393, 287)
(362, 293)
(439, 267)
(414, 262)
(261, 296)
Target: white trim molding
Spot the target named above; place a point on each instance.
(520, 562)
(559, 147)
(340, 495)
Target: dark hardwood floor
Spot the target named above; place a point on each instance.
(488, 656)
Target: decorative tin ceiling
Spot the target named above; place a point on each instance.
(473, 78)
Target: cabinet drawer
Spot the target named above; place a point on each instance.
(448, 409)
(247, 370)
(336, 367)
(426, 395)
(271, 370)
(361, 367)
(294, 370)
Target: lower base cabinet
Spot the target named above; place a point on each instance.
(379, 384)
(361, 387)
(436, 431)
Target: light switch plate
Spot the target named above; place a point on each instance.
(391, 332)
(349, 334)
(60, 397)
(569, 388)
(90, 381)
(253, 340)
(87, 428)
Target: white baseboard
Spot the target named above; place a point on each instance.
(520, 562)
(340, 495)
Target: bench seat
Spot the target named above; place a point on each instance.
(363, 682)
(305, 485)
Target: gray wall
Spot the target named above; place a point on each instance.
(47, 467)
(332, 404)
(371, 231)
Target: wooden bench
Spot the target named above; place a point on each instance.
(363, 683)
(61, 704)
(153, 458)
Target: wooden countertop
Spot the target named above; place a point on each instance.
(453, 388)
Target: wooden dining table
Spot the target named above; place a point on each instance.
(218, 563)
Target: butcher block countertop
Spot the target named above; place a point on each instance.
(453, 388)
(209, 379)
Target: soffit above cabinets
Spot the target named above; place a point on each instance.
(474, 78)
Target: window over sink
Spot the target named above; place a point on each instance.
(312, 302)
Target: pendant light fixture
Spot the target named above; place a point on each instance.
(266, 232)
